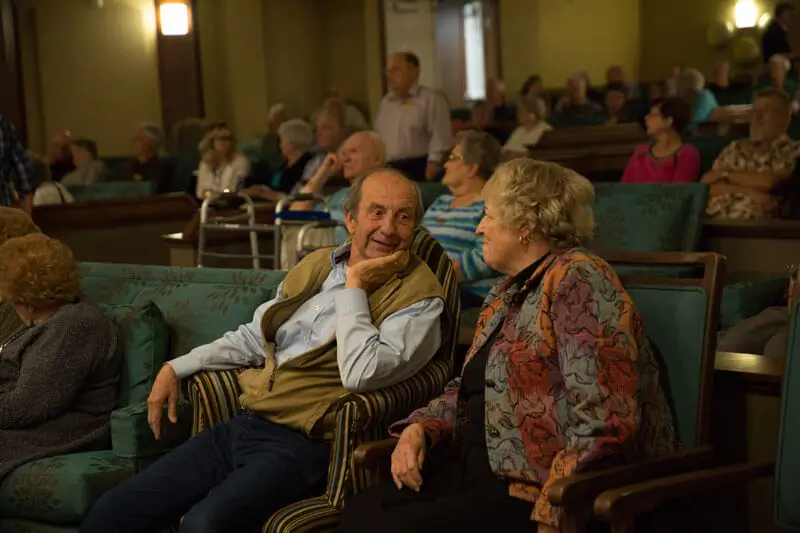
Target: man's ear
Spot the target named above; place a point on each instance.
(350, 222)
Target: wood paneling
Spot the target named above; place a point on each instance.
(12, 103)
(179, 74)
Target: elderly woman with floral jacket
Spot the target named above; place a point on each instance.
(560, 377)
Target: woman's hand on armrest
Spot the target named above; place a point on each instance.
(408, 457)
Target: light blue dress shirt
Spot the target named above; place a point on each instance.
(369, 357)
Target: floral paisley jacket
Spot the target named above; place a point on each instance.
(571, 380)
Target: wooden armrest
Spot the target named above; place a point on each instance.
(368, 455)
(635, 500)
(581, 488)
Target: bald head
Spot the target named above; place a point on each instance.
(59, 148)
(361, 153)
(381, 212)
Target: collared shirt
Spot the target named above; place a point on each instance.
(746, 155)
(369, 357)
(416, 126)
(15, 178)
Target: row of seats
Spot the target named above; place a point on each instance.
(160, 320)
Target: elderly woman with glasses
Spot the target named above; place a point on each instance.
(59, 372)
(453, 218)
(222, 167)
(560, 377)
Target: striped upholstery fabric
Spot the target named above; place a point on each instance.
(360, 417)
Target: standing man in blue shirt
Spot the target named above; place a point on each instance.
(360, 318)
(16, 182)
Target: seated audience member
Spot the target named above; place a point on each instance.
(725, 90)
(59, 373)
(48, 192)
(482, 118)
(615, 76)
(331, 133)
(59, 155)
(147, 143)
(358, 318)
(481, 115)
(691, 88)
(13, 223)
(296, 143)
(453, 218)
(222, 167)
(353, 118)
(532, 88)
(777, 76)
(671, 83)
(362, 153)
(667, 159)
(530, 129)
(496, 97)
(722, 79)
(576, 107)
(88, 169)
(16, 182)
(618, 109)
(747, 172)
(766, 333)
(539, 368)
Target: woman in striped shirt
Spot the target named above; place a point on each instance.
(453, 218)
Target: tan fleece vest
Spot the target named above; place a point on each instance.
(299, 393)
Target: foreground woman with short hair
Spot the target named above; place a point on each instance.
(560, 377)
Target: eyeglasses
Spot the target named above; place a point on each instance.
(455, 157)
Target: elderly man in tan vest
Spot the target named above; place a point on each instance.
(357, 318)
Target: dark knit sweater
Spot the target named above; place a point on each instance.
(58, 386)
(9, 322)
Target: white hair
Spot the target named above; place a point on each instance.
(154, 132)
(298, 133)
(693, 78)
(277, 109)
(781, 60)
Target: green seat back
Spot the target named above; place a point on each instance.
(674, 318)
(111, 190)
(199, 304)
(116, 165)
(181, 169)
(787, 466)
(649, 217)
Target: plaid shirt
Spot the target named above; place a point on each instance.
(15, 180)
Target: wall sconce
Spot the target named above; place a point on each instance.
(745, 14)
(174, 18)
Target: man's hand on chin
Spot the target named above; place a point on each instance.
(371, 273)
